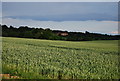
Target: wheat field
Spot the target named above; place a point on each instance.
(50, 59)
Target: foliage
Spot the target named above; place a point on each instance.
(39, 33)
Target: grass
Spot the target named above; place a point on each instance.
(49, 59)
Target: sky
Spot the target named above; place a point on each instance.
(98, 17)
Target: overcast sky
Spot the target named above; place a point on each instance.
(71, 16)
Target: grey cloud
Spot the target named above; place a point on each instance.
(91, 25)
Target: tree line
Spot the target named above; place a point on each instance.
(40, 33)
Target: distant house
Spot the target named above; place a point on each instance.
(60, 33)
(63, 34)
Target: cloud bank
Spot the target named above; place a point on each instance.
(61, 11)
